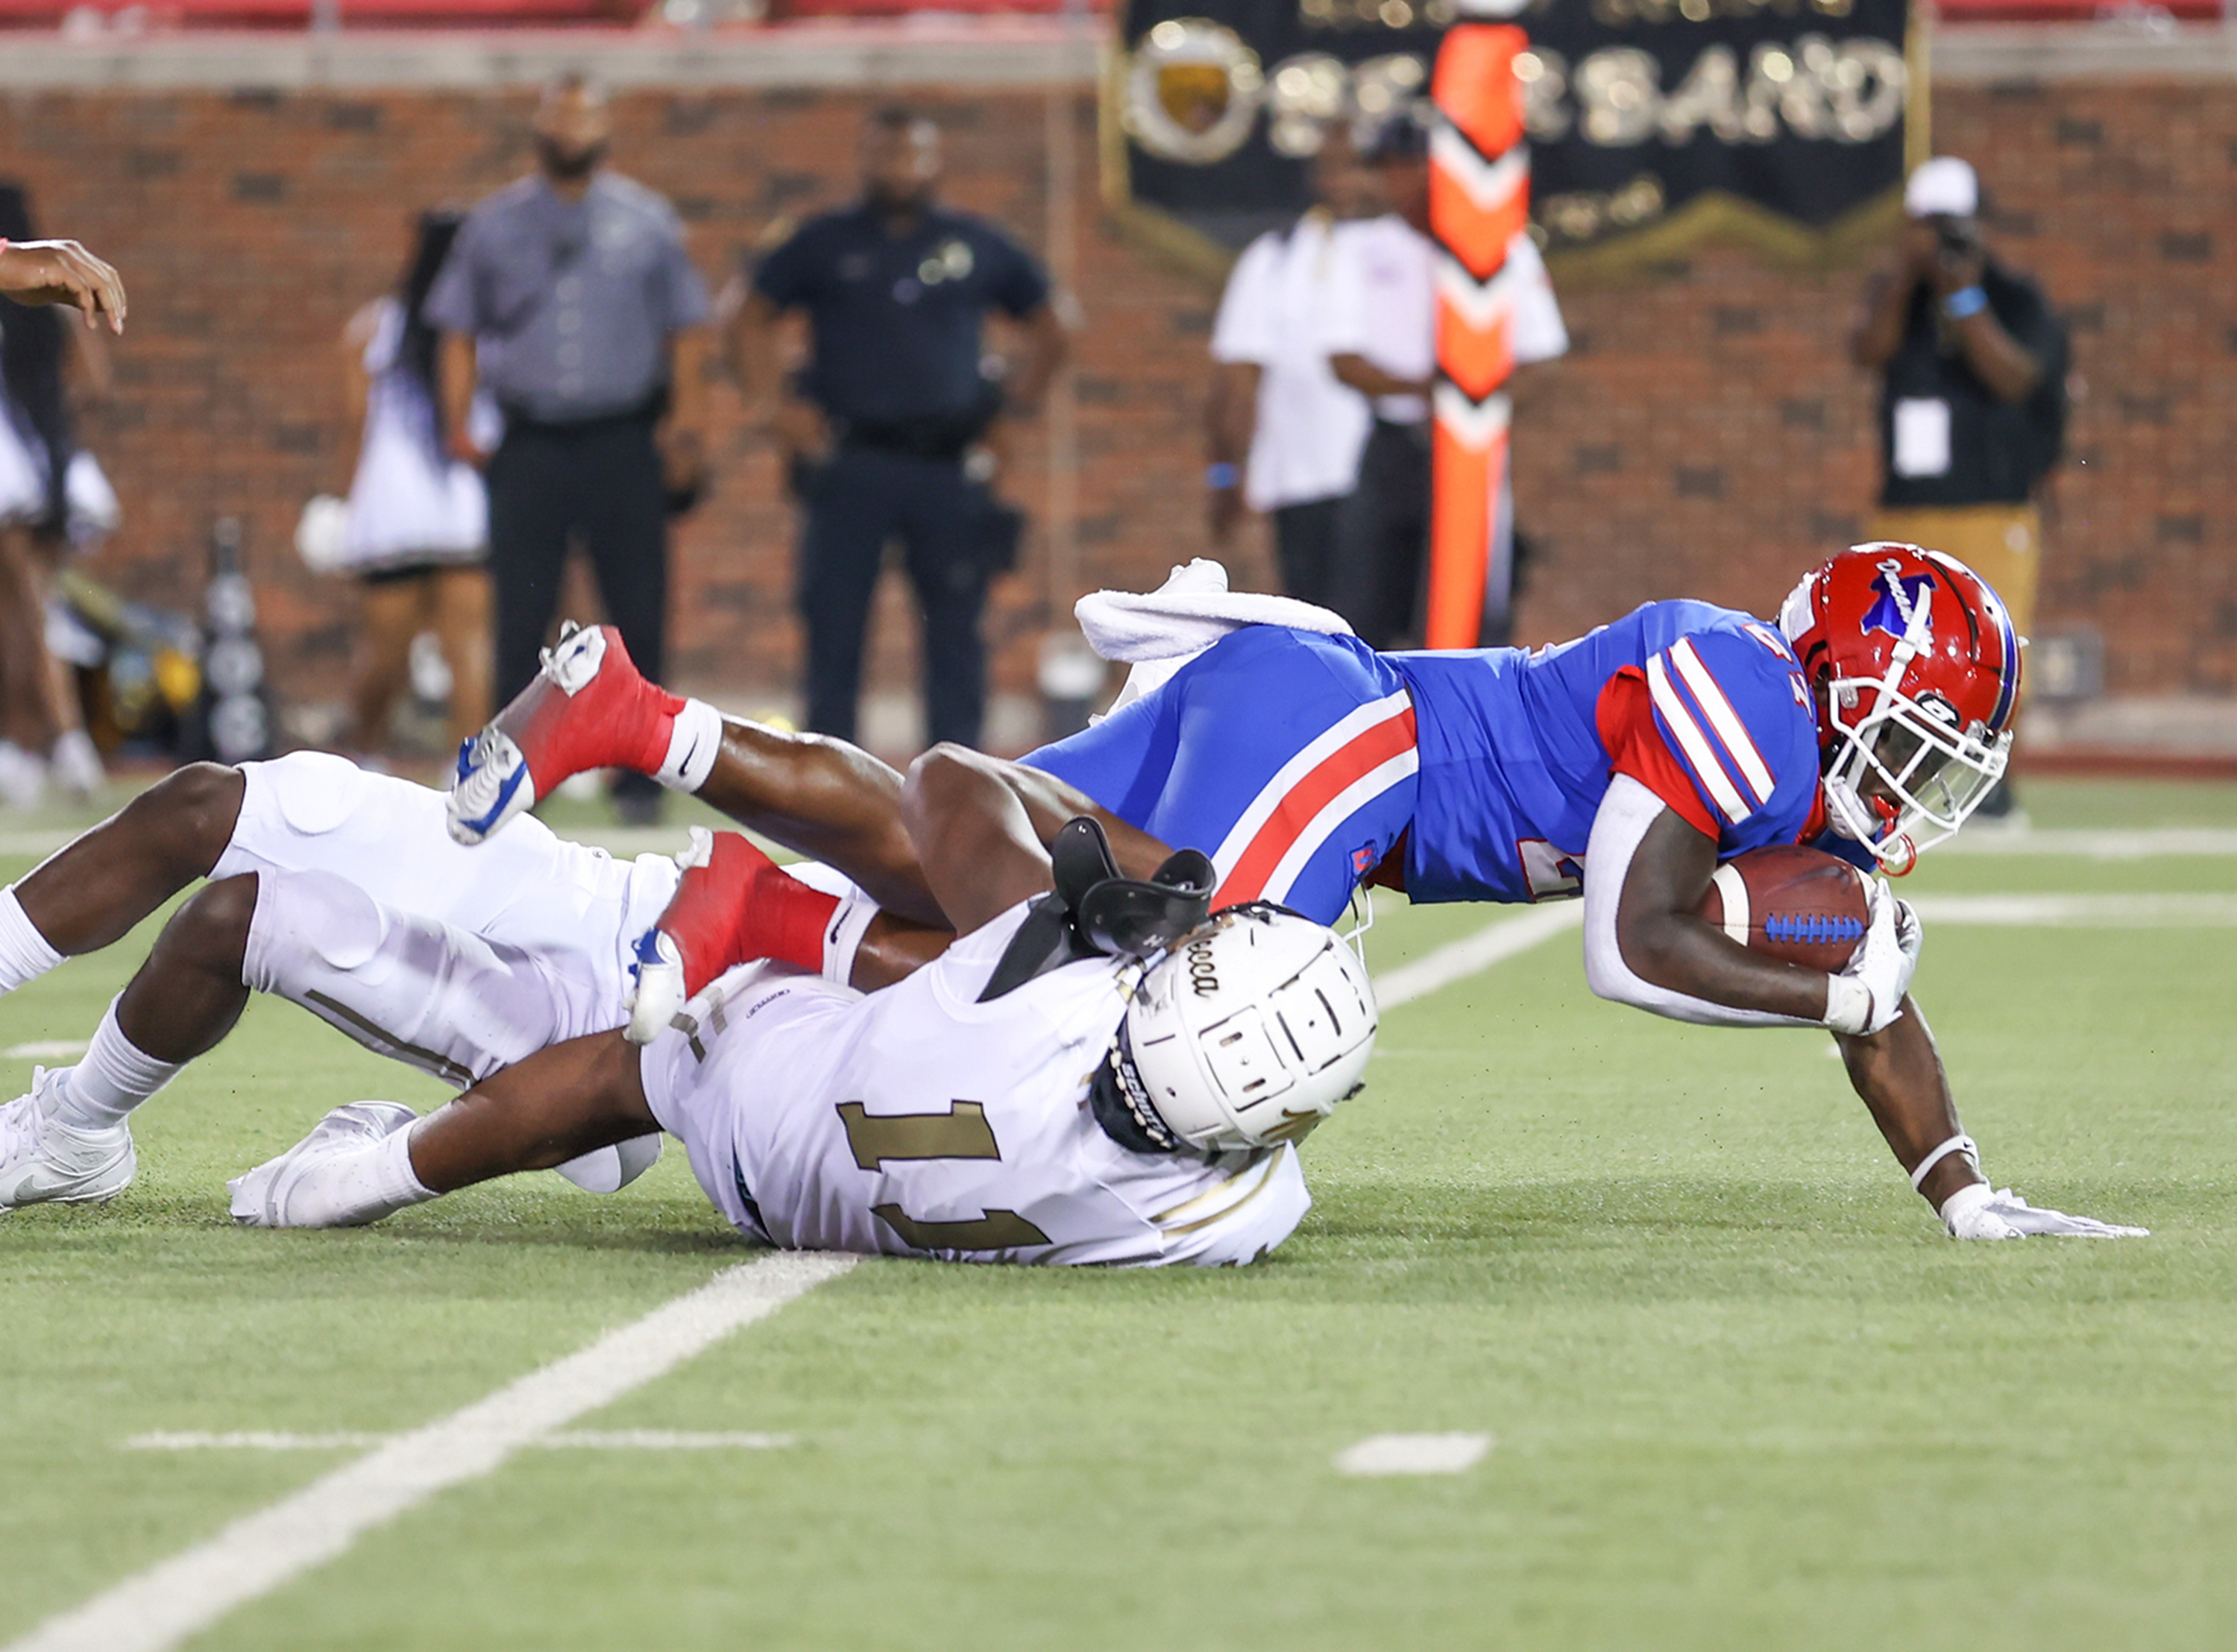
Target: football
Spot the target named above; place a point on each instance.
(1799, 905)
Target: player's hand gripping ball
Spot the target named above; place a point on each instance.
(1798, 905)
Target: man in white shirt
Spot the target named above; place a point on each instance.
(1380, 333)
(1284, 436)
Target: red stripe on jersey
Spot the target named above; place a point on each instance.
(1625, 717)
(1301, 806)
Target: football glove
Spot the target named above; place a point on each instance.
(1867, 994)
(1976, 1212)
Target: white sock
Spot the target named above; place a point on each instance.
(352, 1189)
(24, 954)
(113, 1077)
(842, 936)
(692, 748)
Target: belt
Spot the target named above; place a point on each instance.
(520, 419)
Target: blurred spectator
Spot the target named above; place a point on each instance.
(1972, 365)
(568, 297)
(895, 428)
(1284, 434)
(53, 495)
(419, 521)
(1381, 337)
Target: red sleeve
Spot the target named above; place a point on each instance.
(1814, 827)
(1635, 747)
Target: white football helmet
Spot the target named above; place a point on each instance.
(1247, 1032)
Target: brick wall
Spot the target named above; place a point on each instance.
(1707, 437)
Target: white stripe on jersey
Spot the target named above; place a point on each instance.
(1770, 638)
(1334, 814)
(1341, 733)
(1723, 719)
(1722, 792)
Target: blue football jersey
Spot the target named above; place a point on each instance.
(1704, 706)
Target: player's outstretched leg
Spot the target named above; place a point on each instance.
(588, 708)
(66, 1141)
(371, 1159)
(818, 797)
(89, 893)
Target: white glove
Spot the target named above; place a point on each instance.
(1867, 994)
(1976, 1212)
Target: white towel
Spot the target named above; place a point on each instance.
(1158, 632)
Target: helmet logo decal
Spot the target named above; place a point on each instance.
(1899, 597)
(1204, 974)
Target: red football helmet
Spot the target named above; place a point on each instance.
(1916, 672)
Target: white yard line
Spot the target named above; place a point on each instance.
(2083, 911)
(180, 1597)
(253, 1440)
(1381, 1454)
(2148, 843)
(1497, 942)
(45, 1049)
(625, 1440)
(1457, 960)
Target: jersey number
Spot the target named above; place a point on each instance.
(1552, 875)
(960, 1132)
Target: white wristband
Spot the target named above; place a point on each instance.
(842, 936)
(1958, 1144)
(695, 743)
(1848, 1003)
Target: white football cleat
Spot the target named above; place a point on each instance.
(74, 766)
(23, 777)
(45, 1162)
(295, 1189)
(657, 992)
(489, 785)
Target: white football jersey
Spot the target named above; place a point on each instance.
(918, 1122)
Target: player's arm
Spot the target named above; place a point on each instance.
(982, 826)
(63, 273)
(1664, 940)
(1049, 802)
(974, 837)
(1645, 944)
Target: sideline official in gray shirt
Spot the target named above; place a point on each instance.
(570, 298)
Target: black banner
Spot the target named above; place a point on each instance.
(1651, 122)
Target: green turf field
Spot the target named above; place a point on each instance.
(1743, 1393)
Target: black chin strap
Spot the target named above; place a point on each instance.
(1094, 912)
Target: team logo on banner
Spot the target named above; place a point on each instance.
(1785, 124)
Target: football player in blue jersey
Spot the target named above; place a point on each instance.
(1624, 766)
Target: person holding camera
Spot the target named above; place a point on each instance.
(1972, 364)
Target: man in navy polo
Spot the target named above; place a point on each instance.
(894, 427)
